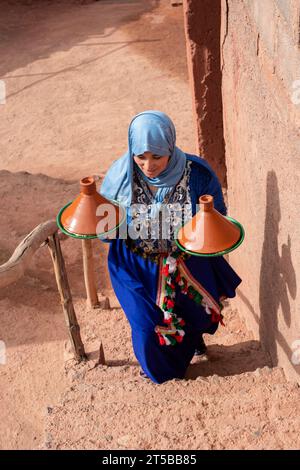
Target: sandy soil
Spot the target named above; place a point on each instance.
(81, 71)
(32, 323)
(76, 72)
(233, 400)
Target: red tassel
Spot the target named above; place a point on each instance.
(214, 317)
(165, 270)
(217, 317)
(178, 338)
(161, 339)
(168, 320)
(170, 304)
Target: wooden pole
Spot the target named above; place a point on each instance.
(66, 296)
(89, 275)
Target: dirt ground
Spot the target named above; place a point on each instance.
(233, 400)
(75, 74)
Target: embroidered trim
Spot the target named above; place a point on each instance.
(174, 272)
(179, 198)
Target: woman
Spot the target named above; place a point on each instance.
(170, 298)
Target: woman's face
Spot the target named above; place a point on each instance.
(150, 164)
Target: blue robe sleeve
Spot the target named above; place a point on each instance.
(203, 180)
(214, 188)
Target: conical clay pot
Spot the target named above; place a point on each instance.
(90, 213)
(208, 231)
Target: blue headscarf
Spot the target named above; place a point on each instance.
(151, 131)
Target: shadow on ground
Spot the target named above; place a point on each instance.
(229, 360)
(58, 26)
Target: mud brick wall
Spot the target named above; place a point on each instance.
(260, 66)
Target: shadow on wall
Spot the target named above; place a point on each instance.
(277, 276)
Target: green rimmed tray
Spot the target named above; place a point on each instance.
(85, 237)
(219, 253)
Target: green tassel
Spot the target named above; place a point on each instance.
(169, 289)
(191, 290)
(171, 339)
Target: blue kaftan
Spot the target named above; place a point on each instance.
(135, 272)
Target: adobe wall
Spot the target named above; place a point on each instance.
(260, 63)
(202, 28)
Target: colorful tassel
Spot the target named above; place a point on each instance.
(173, 333)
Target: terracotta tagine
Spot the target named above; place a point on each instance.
(209, 233)
(90, 215)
